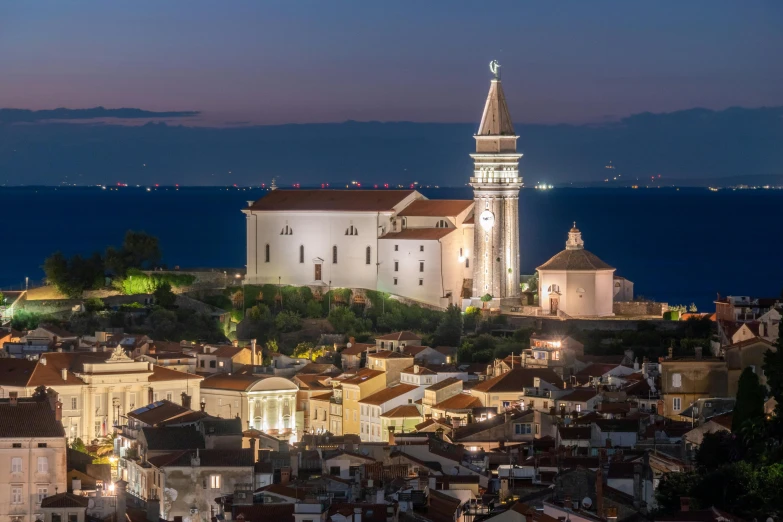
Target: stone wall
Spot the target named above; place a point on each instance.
(206, 279)
(640, 308)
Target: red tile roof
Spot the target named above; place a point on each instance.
(461, 401)
(388, 354)
(224, 381)
(159, 373)
(403, 411)
(518, 379)
(363, 375)
(436, 207)
(578, 395)
(29, 418)
(330, 200)
(404, 335)
(358, 348)
(387, 394)
(422, 234)
(444, 383)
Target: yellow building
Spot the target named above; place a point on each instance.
(684, 380)
(356, 387)
(320, 407)
(520, 384)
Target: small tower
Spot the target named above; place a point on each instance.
(575, 241)
(496, 184)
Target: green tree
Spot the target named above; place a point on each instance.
(773, 369)
(140, 250)
(672, 487)
(314, 310)
(303, 350)
(342, 319)
(94, 304)
(288, 321)
(164, 296)
(271, 346)
(449, 330)
(24, 320)
(750, 401)
(78, 445)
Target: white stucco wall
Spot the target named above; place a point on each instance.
(408, 255)
(583, 293)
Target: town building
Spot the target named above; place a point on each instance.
(687, 379)
(373, 406)
(267, 404)
(97, 389)
(33, 456)
(352, 389)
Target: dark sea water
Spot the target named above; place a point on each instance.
(679, 246)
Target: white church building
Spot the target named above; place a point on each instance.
(575, 282)
(398, 241)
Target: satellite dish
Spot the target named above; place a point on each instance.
(587, 502)
(348, 345)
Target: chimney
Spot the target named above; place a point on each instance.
(13, 398)
(599, 492)
(697, 349)
(357, 514)
(195, 460)
(64, 374)
(253, 449)
(235, 343)
(185, 400)
(253, 354)
(58, 411)
(285, 475)
(153, 510)
(150, 395)
(76, 485)
(637, 485)
(415, 368)
(671, 352)
(685, 504)
(43, 361)
(203, 404)
(119, 490)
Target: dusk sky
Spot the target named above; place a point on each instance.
(298, 61)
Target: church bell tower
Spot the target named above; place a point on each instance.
(496, 184)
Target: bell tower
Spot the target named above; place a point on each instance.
(496, 184)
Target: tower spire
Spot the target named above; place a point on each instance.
(496, 183)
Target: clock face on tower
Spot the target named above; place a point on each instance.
(487, 220)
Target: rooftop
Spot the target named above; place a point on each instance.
(404, 335)
(436, 207)
(330, 200)
(403, 411)
(387, 394)
(424, 234)
(518, 379)
(29, 418)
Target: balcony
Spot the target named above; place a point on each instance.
(536, 392)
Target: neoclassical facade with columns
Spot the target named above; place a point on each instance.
(97, 389)
(266, 404)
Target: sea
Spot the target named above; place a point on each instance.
(680, 246)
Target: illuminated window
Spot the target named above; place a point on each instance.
(676, 380)
(215, 481)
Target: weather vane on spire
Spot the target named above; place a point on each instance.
(494, 66)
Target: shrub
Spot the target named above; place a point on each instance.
(94, 304)
(288, 321)
(314, 310)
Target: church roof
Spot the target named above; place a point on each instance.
(436, 207)
(496, 120)
(575, 260)
(330, 200)
(420, 233)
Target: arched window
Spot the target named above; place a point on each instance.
(287, 231)
(301, 253)
(442, 223)
(367, 256)
(334, 254)
(351, 231)
(266, 253)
